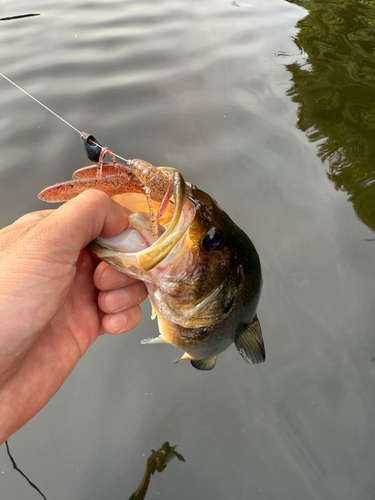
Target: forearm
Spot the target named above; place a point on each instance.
(35, 380)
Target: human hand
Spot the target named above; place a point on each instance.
(55, 300)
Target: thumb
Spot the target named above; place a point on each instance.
(73, 225)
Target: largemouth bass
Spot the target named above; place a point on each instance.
(201, 271)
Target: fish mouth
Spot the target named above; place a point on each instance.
(135, 248)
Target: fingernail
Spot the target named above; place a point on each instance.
(118, 322)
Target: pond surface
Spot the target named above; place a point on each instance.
(268, 106)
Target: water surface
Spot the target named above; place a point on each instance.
(245, 101)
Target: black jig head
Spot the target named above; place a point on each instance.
(92, 146)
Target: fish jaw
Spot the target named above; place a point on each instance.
(140, 263)
(135, 238)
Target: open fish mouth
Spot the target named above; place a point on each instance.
(135, 247)
(201, 271)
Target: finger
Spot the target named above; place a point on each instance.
(122, 322)
(73, 225)
(108, 278)
(114, 301)
(33, 217)
(26, 222)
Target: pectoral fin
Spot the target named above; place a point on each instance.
(249, 342)
(204, 364)
(199, 364)
(184, 357)
(156, 340)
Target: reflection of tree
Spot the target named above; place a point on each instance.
(335, 90)
(157, 461)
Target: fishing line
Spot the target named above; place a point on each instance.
(58, 116)
(36, 100)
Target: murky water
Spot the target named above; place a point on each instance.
(267, 106)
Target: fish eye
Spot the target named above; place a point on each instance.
(213, 240)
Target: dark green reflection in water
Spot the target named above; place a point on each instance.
(157, 461)
(335, 90)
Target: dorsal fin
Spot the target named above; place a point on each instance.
(204, 364)
(249, 342)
